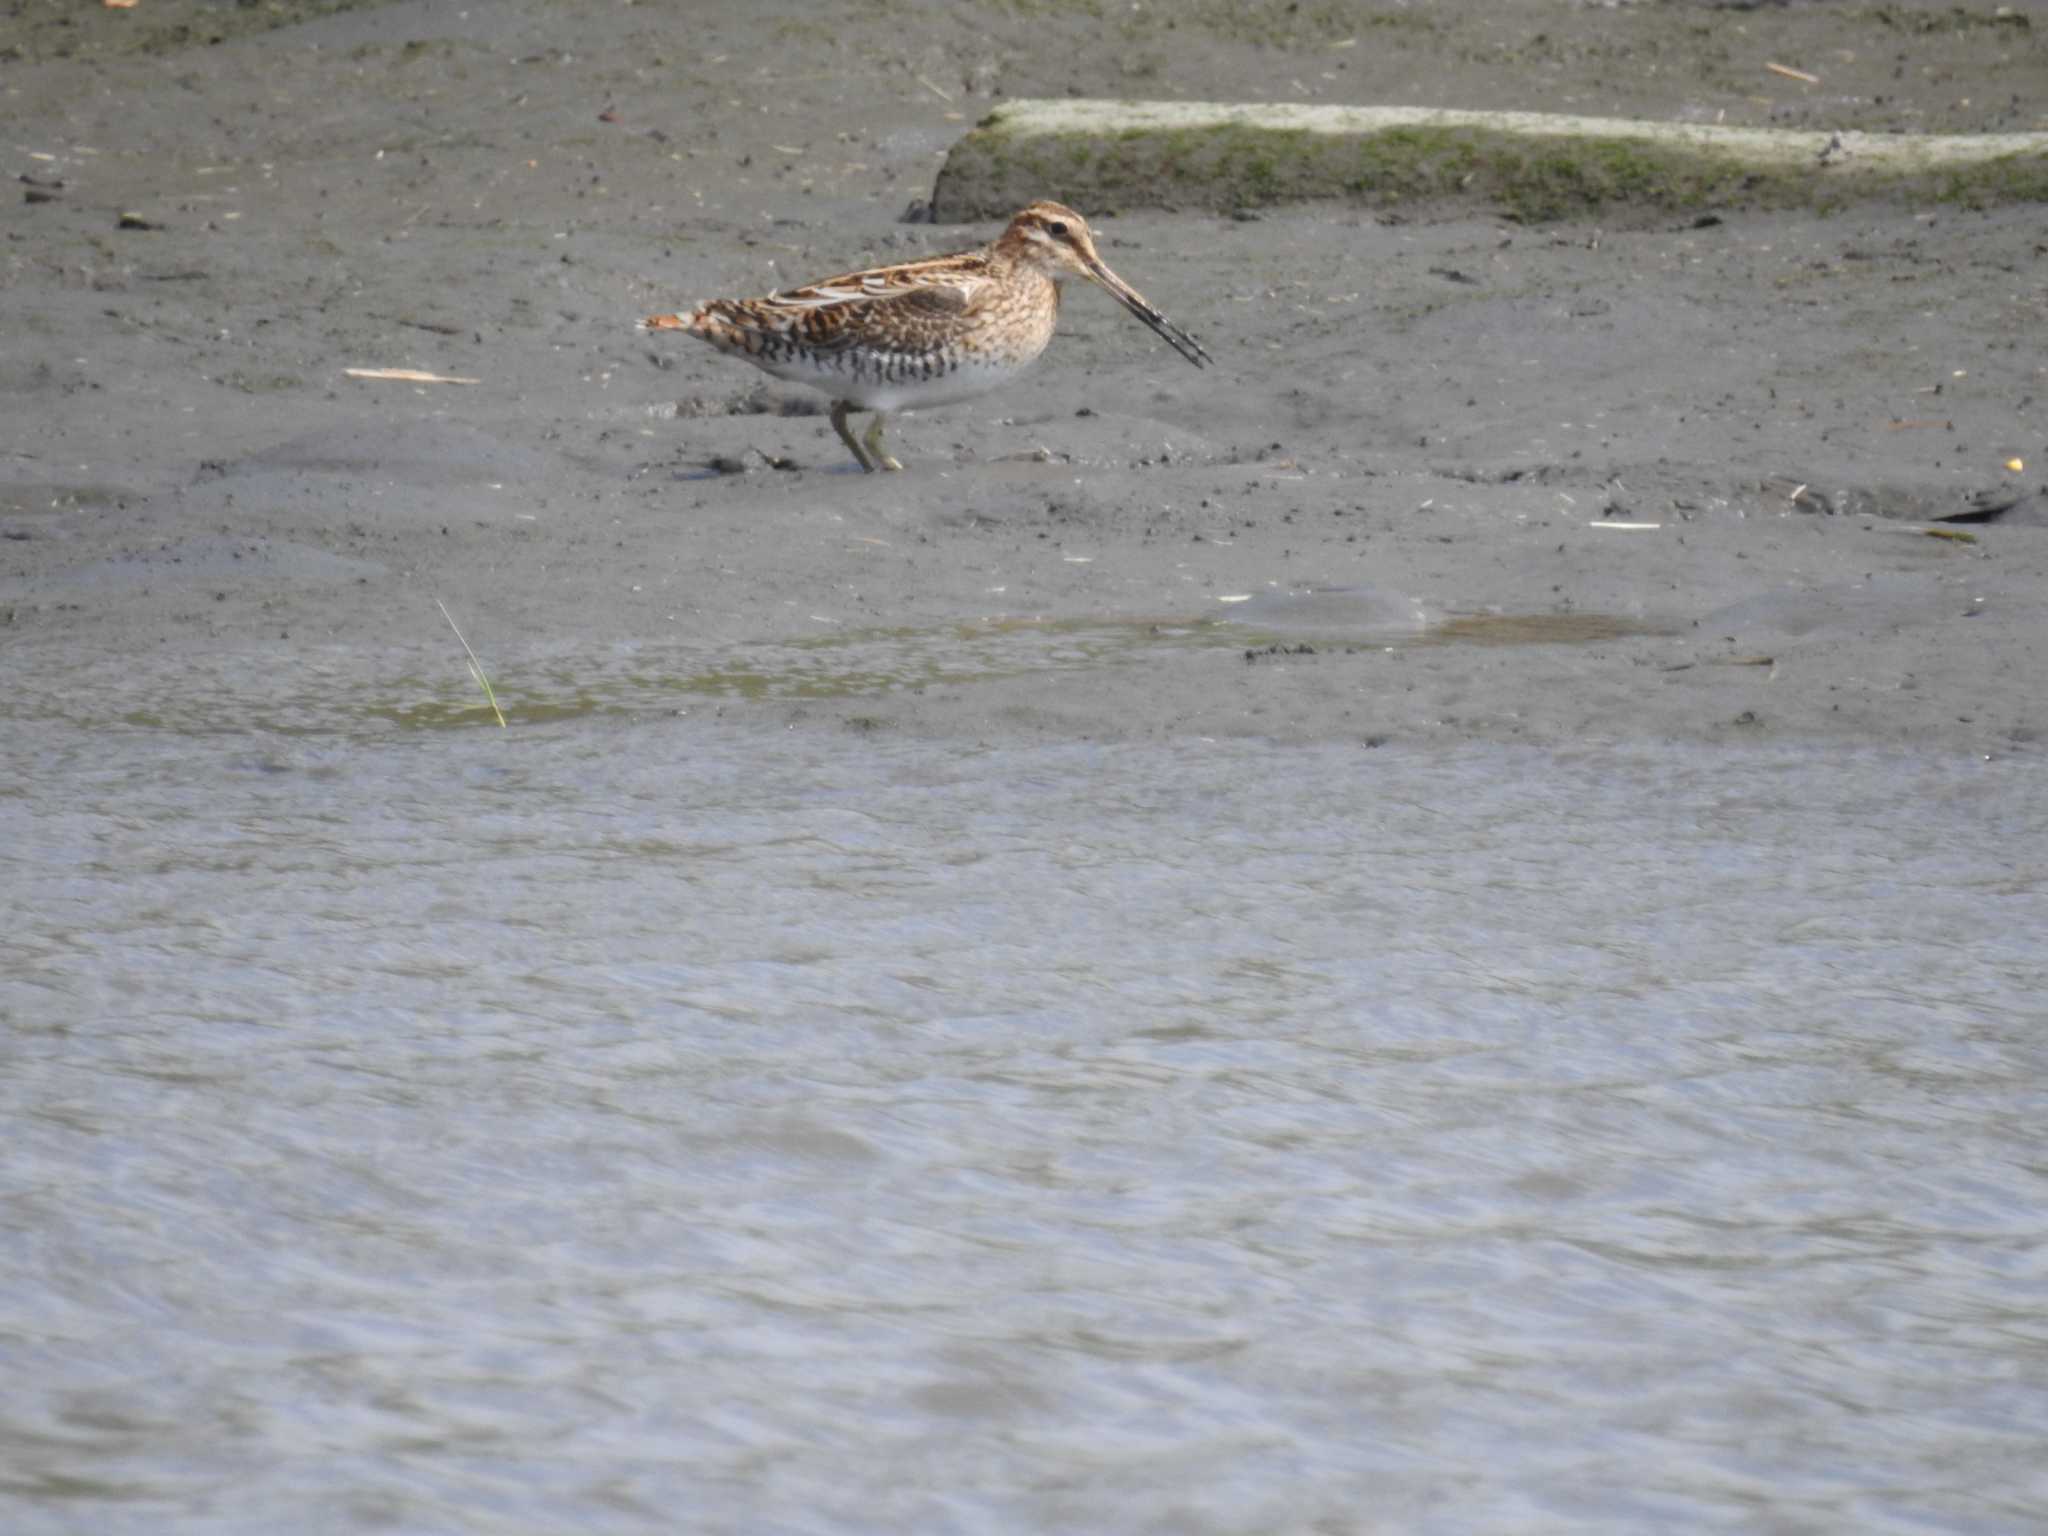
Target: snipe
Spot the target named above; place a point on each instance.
(922, 333)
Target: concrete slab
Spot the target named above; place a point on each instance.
(1108, 154)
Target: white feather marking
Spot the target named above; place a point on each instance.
(878, 285)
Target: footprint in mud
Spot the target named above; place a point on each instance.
(1879, 608)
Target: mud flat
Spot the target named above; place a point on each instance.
(1643, 471)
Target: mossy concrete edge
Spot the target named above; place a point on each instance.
(1102, 155)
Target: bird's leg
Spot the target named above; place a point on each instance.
(839, 410)
(875, 449)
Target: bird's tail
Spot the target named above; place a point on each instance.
(688, 322)
(725, 323)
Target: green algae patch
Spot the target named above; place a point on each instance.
(1107, 155)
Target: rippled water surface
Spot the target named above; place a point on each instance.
(621, 1124)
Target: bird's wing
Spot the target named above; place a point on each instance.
(952, 280)
(862, 307)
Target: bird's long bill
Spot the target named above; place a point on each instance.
(1134, 301)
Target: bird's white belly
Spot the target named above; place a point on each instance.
(882, 382)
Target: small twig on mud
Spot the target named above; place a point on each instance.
(436, 326)
(1793, 74)
(407, 376)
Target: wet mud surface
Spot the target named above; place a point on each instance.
(1452, 478)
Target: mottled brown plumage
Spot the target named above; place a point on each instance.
(926, 332)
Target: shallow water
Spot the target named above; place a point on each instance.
(337, 690)
(630, 1124)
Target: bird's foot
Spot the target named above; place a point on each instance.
(873, 440)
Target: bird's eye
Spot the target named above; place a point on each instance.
(1058, 226)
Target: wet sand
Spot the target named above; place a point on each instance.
(1454, 476)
